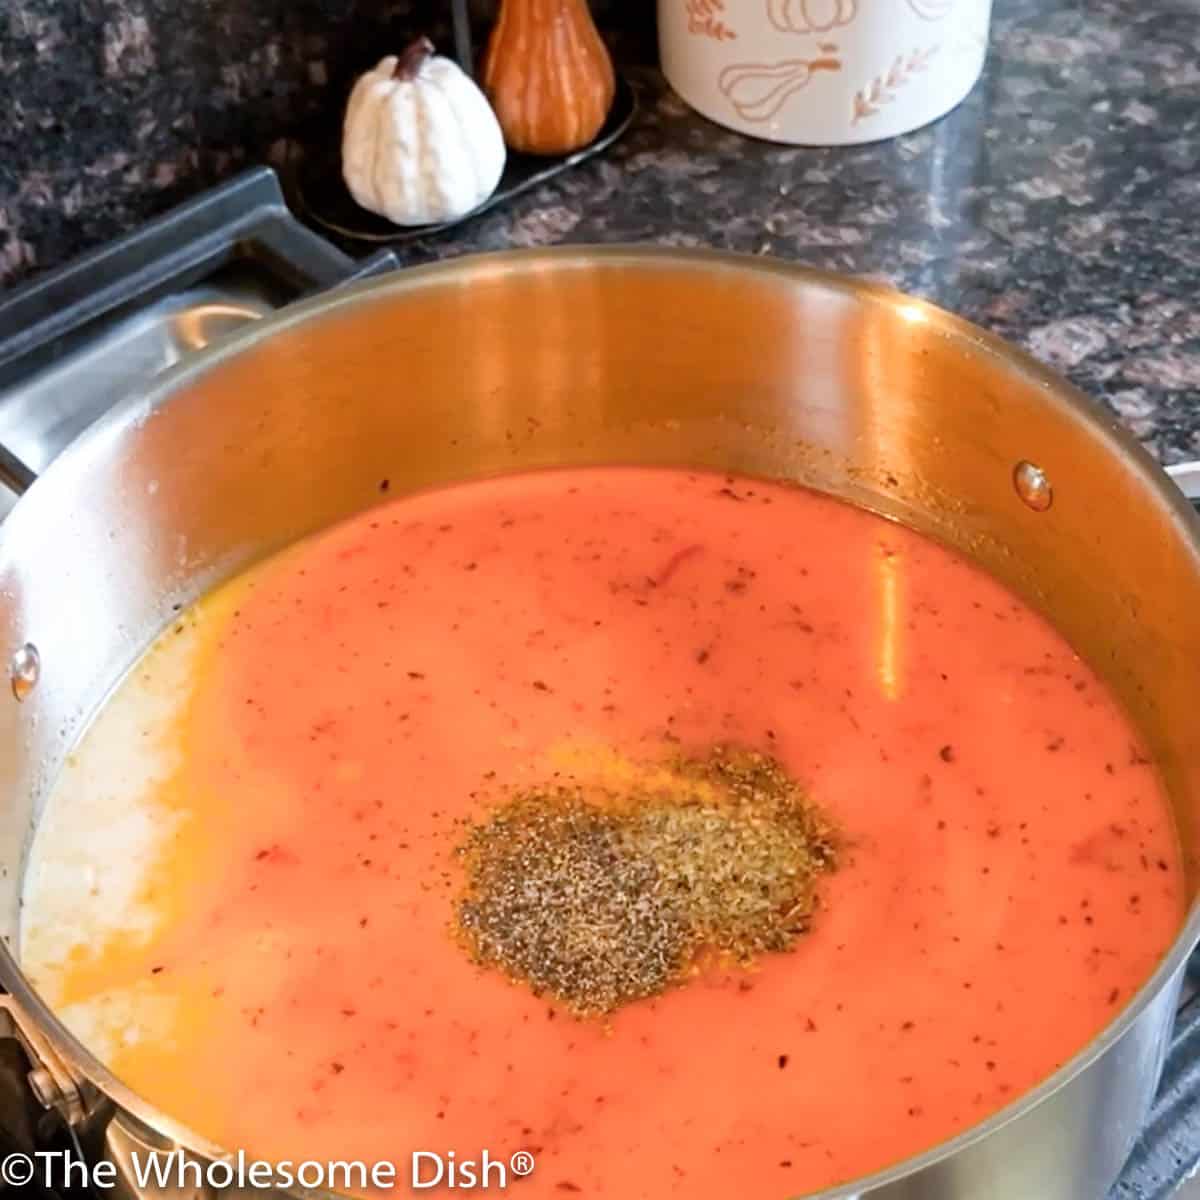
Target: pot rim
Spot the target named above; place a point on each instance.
(142, 403)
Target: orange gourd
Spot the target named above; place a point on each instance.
(548, 75)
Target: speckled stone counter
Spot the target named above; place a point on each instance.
(1057, 206)
(113, 110)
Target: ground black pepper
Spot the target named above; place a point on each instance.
(599, 897)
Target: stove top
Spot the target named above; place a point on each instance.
(76, 340)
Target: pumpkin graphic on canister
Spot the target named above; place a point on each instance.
(931, 10)
(814, 16)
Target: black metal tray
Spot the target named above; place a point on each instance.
(323, 198)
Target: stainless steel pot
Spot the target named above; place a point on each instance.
(600, 356)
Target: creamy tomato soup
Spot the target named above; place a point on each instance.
(243, 891)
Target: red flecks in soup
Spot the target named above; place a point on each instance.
(288, 979)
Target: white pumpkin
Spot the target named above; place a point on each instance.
(420, 142)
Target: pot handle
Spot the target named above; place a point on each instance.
(14, 474)
(50, 1078)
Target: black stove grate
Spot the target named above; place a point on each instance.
(1169, 1148)
(241, 231)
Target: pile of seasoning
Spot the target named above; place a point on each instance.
(597, 897)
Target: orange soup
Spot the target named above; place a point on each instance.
(287, 980)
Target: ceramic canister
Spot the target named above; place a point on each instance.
(823, 72)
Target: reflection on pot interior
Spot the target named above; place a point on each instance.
(706, 837)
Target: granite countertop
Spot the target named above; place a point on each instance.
(1056, 206)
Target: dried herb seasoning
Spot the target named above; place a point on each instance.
(597, 896)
